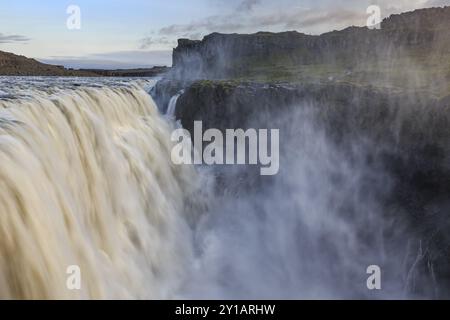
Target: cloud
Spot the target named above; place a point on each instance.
(168, 35)
(12, 38)
(247, 5)
(210, 24)
(150, 41)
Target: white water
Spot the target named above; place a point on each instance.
(86, 179)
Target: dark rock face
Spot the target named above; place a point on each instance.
(408, 135)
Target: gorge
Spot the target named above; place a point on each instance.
(364, 135)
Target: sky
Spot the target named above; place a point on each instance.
(142, 33)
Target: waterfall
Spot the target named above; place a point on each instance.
(171, 108)
(86, 179)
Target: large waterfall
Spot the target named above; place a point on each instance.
(86, 179)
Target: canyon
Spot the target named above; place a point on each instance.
(379, 98)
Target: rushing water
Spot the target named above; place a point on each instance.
(171, 108)
(86, 179)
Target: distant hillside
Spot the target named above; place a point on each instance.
(15, 65)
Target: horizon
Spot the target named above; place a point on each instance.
(148, 31)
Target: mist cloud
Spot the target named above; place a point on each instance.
(150, 41)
